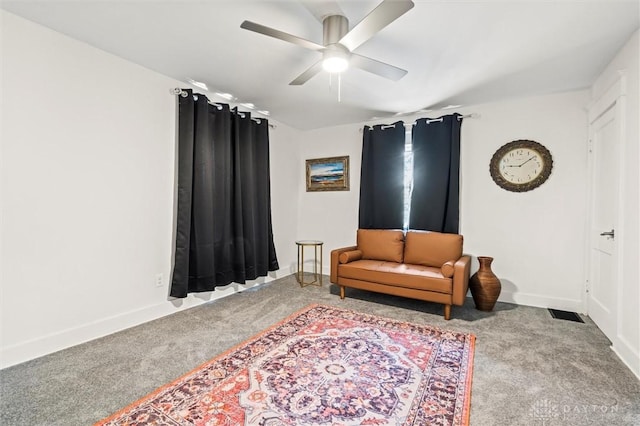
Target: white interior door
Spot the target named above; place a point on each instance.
(602, 290)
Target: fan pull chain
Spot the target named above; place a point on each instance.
(339, 84)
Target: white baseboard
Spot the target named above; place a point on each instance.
(629, 356)
(28, 350)
(539, 301)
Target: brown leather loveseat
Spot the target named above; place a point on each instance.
(422, 265)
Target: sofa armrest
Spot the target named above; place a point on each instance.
(335, 254)
(461, 280)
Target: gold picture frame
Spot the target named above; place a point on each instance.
(328, 174)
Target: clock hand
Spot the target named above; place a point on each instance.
(530, 158)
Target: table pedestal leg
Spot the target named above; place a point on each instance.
(317, 276)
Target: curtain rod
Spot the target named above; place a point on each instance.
(389, 126)
(180, 92)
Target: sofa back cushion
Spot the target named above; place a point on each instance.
(381, 244)
(431, 248)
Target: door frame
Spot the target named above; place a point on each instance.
(613, 99)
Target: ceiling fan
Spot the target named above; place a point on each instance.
(339, 42)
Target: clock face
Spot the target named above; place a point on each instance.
(521, 165)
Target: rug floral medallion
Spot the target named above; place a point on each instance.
(323, 366)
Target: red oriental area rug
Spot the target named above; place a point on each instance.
(323, 366)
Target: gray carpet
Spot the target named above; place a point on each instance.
(530, 369)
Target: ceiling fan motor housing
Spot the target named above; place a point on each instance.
(334, 27)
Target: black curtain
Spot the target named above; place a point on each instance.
(382, 177)
(224, 231)
(436, 174)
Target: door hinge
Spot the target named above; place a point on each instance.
(586, 287)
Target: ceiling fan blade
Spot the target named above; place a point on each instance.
(386, 12)
(376, 67)
(306, 76)
(271, 32)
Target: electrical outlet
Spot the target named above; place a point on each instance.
(159, 280)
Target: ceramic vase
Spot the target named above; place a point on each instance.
(485, 286)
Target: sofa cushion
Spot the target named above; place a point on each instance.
(397, 275)
(381, 244)
(350, 256)
(431, 248)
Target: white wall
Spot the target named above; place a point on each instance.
(537, 238)
(331, 216)
(87, 167)
(627, 341)
(284, 195)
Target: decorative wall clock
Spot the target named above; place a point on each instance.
(521, 165)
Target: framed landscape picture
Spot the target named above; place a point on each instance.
(328, 174)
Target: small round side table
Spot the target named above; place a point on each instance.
(317, 277)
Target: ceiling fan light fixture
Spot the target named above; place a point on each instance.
(335, 60)
(335, 64)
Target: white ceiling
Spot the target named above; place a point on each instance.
(456, 52)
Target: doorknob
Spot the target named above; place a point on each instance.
(608, 234)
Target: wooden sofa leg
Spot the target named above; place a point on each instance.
(341, 292)
(447, 312)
